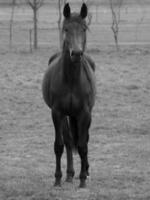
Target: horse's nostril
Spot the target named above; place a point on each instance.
(77, 53)
(72, 53)
(81, 53)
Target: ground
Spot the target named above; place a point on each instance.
(119, 146)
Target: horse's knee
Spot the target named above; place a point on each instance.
(58, 149)
(82, 150)
(84, 121)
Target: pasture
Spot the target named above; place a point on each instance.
(119, 147)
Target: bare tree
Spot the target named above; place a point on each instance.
(35, 5)
(11, 22)
(141, 19)
(97, 11)
(115, 6)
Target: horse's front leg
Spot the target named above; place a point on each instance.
(68, 140)
(58, 144)
(70, 168)
(84, 122)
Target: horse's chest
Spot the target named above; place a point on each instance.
(69, 103)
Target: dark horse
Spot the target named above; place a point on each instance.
(69, 90)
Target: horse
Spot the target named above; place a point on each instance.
(69, 91)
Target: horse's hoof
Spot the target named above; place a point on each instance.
(88, 174)
(82, 184)
(69, 179)
(57, 183)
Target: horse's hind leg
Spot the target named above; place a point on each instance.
(58, 144)
(68, 144)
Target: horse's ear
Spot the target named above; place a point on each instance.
(84, 11)
(67, 11)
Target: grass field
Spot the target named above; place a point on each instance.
(119, 147)
(119, 137)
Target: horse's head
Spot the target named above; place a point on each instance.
(74, 31)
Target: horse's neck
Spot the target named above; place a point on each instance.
(71, 71)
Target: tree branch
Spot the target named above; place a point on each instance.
(31, 4)
(40, 3)
(115, 18)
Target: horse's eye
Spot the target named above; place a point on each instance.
(84, 29)
(66, 30)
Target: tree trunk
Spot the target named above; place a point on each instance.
(115, 10)
(35, 29)
(11, 23)
(35, 5)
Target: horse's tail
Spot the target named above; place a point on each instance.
(70, 133)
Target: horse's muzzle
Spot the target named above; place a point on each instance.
(76, 55)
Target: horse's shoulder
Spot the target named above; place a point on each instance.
(90, 61)
(54, 63)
